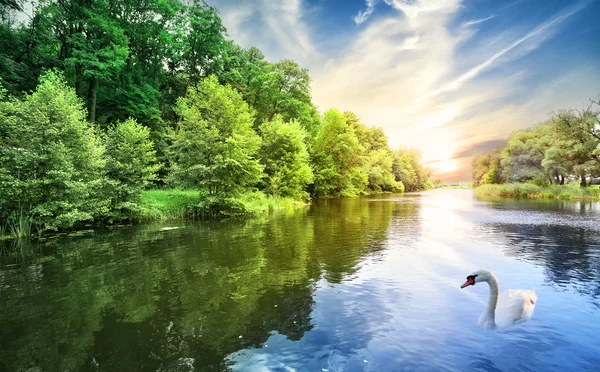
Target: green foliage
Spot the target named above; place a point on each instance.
(407, 168)
(216, 147)
(285, 158)
(579, 133)
(336, 158)
(51, 160)
(546, 154)
(130, 164)
(377, 160)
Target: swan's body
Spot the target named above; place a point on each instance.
(513, 306)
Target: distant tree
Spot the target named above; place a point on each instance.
(377, 159)
(337, 158)
(409, 170)
(487, 169)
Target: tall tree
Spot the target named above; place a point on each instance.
(337, 158)
(581, 131)
(201, 45)
(91, 43)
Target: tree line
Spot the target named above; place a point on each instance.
(564, 148)
(102, 99)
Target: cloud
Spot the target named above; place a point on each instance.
(478, 21)
(480, 148)
(278, 28)
(363, 15)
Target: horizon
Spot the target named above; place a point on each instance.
(450, 78)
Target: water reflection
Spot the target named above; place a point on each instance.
(356, 284)
(142, 299)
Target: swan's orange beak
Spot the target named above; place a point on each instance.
(469, 282)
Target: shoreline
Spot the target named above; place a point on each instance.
(162, 205)
(529, 191)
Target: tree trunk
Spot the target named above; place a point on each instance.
(93, 88)
(78, 79)
(185, 94)
(583, 181)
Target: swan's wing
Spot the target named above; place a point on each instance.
(515, 306)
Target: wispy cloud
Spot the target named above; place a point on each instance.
(277, 28)
(478, 21)
(363, 15)
(473, 72)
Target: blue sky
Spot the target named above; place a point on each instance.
(452, 78)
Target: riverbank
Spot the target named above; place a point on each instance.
(165, 205)
(524, 190)
(168, 204)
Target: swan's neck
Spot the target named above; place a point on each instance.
(490, 310)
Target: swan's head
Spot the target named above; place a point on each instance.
(477, 277)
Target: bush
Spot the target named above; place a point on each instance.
(51, 160)
(524, 190)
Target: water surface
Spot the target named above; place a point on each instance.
(366, 284)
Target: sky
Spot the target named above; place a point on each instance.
(452, 78)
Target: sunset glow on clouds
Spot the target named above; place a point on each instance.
(449, 77)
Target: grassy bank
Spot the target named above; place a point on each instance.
(172, 204)
(165, 204)
(524, 190)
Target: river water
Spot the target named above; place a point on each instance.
(365, 284)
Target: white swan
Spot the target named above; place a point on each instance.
(511, 307)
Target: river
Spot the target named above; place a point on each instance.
(364, 284)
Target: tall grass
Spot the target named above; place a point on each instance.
(20, 225)
(161, 204)
(525, 190)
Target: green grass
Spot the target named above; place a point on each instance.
(165, 204)
(169, 204)
(525, 190)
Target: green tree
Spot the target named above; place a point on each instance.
(90, 41)
(581, 131)
(336, 158)
(51, 160)
(487, 168)
(130, 163)
(407, 168)
(202, 42)
(216, 148)
(286, 159)
(377, 160)
(378, 165)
